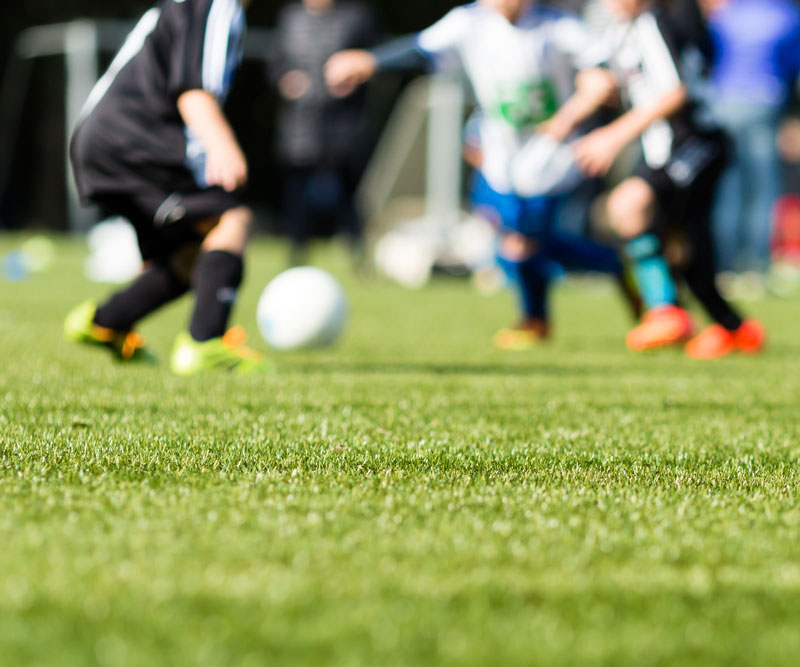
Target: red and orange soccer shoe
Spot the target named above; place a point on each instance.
(716, 342)
(662, 327)
(751, 337)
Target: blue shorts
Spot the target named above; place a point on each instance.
(535, 218)
(532, 217)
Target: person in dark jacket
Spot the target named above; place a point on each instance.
(321, 138)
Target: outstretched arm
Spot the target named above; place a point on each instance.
(347, 70)
(226, 165)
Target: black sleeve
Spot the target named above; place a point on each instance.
(186, 25)
(401, 55)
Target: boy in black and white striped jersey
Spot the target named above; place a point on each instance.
(154, 146)
(672, 190)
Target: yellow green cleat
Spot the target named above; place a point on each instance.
(79, 327)
(528, 335)
(228, 353)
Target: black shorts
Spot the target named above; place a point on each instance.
(686, 185)
(166, 222)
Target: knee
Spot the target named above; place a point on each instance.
(630, 208)
(517, 248)
(232, 232)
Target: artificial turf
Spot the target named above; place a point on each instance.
(409, 497)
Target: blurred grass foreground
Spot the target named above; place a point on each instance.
(410, 497)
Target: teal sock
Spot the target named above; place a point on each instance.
(651, 272)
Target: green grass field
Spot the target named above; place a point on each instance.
(411, 497)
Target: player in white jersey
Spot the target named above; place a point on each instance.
(520, 57)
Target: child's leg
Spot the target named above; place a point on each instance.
(165, 278)
(159, 285)
(729, 333)
(582, 254)
(700, 272)
(579, 253)
(216, 278)
(631, 208)
(521, 259)
(218, 273)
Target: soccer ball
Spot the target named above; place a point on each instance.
(301, 308)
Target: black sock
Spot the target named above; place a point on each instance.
(701, 280)
(216, 279)
(700, 274)
(153, 289)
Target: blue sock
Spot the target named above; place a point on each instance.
(531, 279)
(651, 272)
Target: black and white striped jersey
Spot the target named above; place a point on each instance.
(647, 58)
(131, 133)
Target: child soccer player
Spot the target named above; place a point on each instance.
(154, 146)
(671, 191)
(519, 57)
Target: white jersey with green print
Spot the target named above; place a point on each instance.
(521, 73)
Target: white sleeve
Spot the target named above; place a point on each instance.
(583, 46)
(447, 34)
(660, 53)
(222, 46)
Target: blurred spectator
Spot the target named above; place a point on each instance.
(786, 235)
(756, 63)
(321, 139)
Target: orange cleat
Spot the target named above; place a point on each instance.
(716, 341)
(668, 325)
(751, 337)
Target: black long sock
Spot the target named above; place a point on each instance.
(216, 280)
(700, 277)
(149, 292)
(700, 273)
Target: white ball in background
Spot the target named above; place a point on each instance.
(407, 256)
(301, 308)
(113, 252)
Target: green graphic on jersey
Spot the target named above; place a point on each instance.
(528, 104)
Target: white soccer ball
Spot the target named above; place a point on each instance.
(301, 308)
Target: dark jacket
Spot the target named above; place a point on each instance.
(319, 129)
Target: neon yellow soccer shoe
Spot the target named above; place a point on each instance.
(527, 335)
(79, 327)
(227, 353)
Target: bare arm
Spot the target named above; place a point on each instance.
(594, 88)
(596, 152)
(347, 70)
(226, 165)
